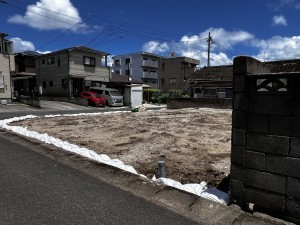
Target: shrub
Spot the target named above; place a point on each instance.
(173, 93)
(148, 94)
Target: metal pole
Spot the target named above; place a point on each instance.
(162, 169)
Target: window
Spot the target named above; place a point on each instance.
(212, 92)
(172, 81)
(50, 60)
(64, 83)
(43, 61)
(1, 80)
(127, 72)
(117, 72)
(163, 66)
(58, 61)
(7, 46)
(117, 62)
(162, 81)
(145, 58)
(198, 90)
(44, 84)
(50, 83)
(127, 60)
(89, 61)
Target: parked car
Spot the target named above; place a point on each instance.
(94, 99)
(112, 96)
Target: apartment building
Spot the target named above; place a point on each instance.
(174, 72)
(141, 66)
(7, 65)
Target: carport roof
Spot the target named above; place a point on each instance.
(116, 78)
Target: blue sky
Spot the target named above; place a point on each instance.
(267, 30)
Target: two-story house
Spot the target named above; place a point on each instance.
(141, 66)
(24, 78)
(7, 65)
(174, 72)
(67, 72)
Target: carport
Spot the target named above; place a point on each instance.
(131, 89)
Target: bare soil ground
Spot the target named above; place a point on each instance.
(195, 143)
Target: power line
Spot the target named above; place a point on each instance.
(128, 30)
(95, 38)
(60, 35)
(49, 10)
(123, 28)
(230, 52)
(45, 15)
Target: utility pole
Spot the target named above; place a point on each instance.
(209, 40)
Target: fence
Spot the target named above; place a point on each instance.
(265, 153)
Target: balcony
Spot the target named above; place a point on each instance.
(150, 63)
(150, 75)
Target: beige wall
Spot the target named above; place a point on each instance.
(78, 69)
(7, 64)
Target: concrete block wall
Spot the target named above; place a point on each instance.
(179, 103)
(265, 153)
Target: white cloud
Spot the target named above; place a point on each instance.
(43, 52)
(195, 46)
(281, 4)
(278, 48)
(279, 20)
(154, 46)
(51, 15)
(21, 45)
(110, 60)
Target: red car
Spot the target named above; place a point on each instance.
(94, 99)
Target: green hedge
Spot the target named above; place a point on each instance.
(155, 96)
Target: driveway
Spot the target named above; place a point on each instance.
(51, 107)
(46, 105)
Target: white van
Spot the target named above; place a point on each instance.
(112, 96)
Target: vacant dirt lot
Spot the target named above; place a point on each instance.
(195, 143)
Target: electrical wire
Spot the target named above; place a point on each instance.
(60, 35)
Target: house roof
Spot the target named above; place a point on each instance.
(215, 73)
(28, 53)
(77, 48)
(116, 78)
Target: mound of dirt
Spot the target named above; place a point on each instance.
(194, 143)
